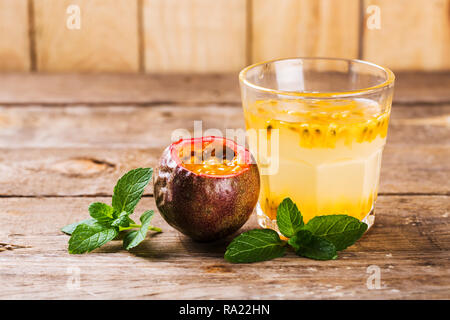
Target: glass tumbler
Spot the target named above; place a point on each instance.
(317, 128)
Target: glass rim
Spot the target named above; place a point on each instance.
(390, 77)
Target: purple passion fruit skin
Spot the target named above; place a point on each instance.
(204, 207)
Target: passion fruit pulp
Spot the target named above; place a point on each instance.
(206, 187)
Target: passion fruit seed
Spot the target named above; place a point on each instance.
(350, 122)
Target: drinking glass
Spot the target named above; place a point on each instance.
(317, 128)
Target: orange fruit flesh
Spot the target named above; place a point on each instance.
(211, 159)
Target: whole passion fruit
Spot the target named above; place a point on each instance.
(206, 187)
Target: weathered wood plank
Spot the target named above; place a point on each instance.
(413, 35)
(194, 35)
(94, 171)
(107, 39)
(111, 127)
(183, 89)
(84, 150)
(421, 87)
(69, 171)
(118, 89)
(14, 42)
(291, 28)
(138, 127)
(409, 243)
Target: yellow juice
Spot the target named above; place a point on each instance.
(329, 155)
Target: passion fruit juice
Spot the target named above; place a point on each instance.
(329, 155)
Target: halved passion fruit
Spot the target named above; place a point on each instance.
(206, 187)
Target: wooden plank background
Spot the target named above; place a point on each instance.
(106, 41)
(414, 34)
(203, 36)
(66, 139)
(14, 37)
(79, 151)
(291, 28)
(410, 245)
(194, 36)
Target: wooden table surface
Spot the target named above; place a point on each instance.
(66, 139)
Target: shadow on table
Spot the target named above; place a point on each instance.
(157, 246)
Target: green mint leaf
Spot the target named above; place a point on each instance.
(311, 246)
(86, 238)
(129, 189)
(342, 230)
(289, 218)
(133, 238)
(101, 212)
(70, 228)
(255, 245)
(122, 220)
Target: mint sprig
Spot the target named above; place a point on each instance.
(289, 218)
(101, 212)
(343, 231)
(255, 245)
(307, 244)
(133, 238)
(86, 237)
(108, 221)
(318, 239)
(130, 188)
(70, 228)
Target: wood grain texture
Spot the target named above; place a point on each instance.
(195, 35)
(41, 172)
(409, 242)
(414, 35)
(305, 28)
(113, 89)
(106, 41)
(56, 159)
(422, 87)
(141, 127)
(84, 150)
(14, 41)
(121, 89)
